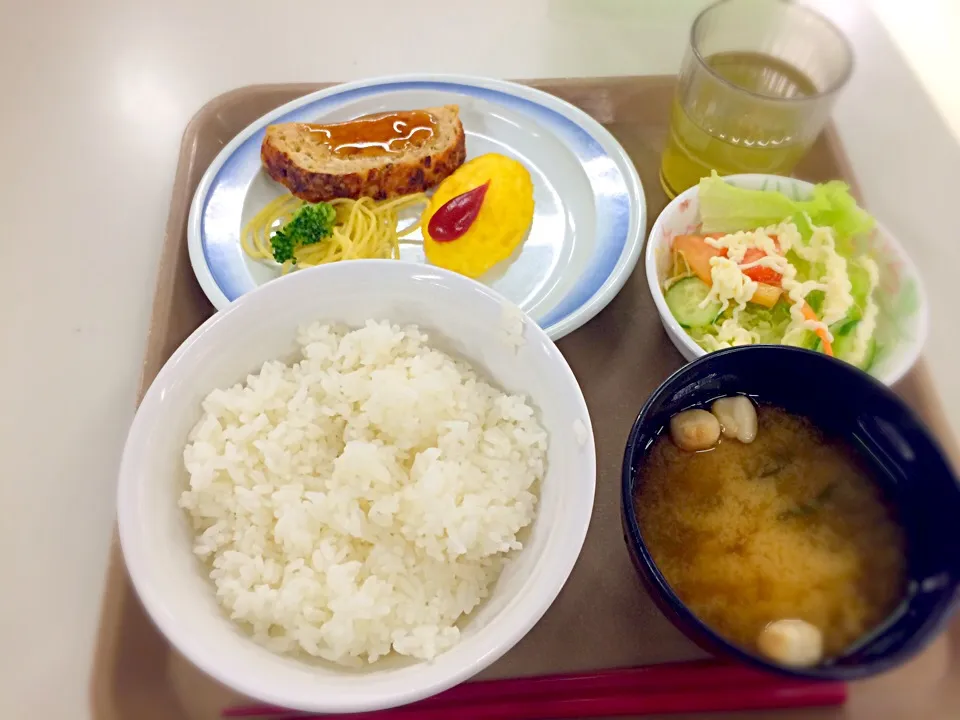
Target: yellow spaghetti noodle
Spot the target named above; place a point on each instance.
(364, 229)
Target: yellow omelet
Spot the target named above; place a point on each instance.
(500, 226)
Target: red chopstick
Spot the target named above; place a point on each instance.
(712, 700)
(701, 686)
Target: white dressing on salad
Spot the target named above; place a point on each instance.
(731, 334)
(821, 249)
(778, 264)
(731, 285)
(737, 244)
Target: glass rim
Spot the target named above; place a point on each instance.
(828, 24)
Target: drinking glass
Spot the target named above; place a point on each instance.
(757, 85)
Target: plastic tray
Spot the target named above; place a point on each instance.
(602, 618)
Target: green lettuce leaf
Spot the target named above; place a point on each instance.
(725, 208)
(833, 206)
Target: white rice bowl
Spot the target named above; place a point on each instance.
(363, 498)
(464, 319)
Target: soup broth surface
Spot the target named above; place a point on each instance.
(788, 526)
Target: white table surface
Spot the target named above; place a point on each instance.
(95, 96)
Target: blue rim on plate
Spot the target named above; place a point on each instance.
(218, 258)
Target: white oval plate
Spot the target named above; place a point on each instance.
(589, 215)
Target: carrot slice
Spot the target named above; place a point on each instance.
(809, 314)
(697, 254)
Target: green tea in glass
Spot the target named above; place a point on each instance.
(757, 86)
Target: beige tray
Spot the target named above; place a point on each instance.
(602, 618)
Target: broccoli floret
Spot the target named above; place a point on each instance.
(310, 225)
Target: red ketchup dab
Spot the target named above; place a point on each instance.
(456, 215)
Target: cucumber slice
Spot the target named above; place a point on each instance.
(684, 298)
(845, 326)
(815, 300)
(871, 355)
(811, 341)
(843, 346)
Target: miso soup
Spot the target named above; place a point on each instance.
(789, 526)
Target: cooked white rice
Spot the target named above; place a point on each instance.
(362, 499)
